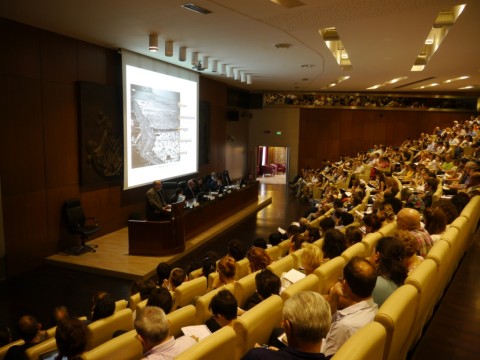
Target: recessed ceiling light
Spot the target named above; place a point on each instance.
(336, 47)
(196, 8)
(283, 46)
(308, 66)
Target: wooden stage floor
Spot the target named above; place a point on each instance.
(112, 259)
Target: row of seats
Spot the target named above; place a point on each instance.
(400, 320)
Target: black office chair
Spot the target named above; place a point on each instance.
(77, 224)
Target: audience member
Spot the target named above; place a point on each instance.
(258, 259)
(161, 297)
(163, 273)
(267, 284)
(353, 235)
(411, 260)
(223, 307)
(236, 249)
(389, 257)
(226, 270)
(71, 336)
(354, 290)
(260, 243)
(30, 331)
(409, 219)
(153, 332)
(103, 306)
(306, 320)
(311, 258)
(334, 244)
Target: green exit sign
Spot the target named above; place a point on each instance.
(279, 133)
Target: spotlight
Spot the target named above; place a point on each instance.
(214, 65)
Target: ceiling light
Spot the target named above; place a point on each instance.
(229, 72)
(243, 76)
(169, 48)
(214, 65)
(182, 53)
(466, 87)
(336, 47)
(249, 79)
(283, 46)
(196, 8)
(288, 3)
(194, 60)
(205, 62)
(223, 69)
(444, 21)
(153, 42)
(308, 66)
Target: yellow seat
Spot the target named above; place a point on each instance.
(308, 283)
(424, 279)
(281, 266)
(357, 249)
(318, 242)
(195, 274)
(284, 247)
(35, 351)
(329, 273)
(179, 318)
(440, 254)
(120, 305)
(133, 301)
(370, 241)
(368, 343)
(388, 229)
(273, 252)
(297, 259)
(244, 288)
(188, 291)
(4, 349)
(218, 346)
(452, 237)
(102, 330)
(256, 325)
(202, 303)
(242, 268)
(141, 305)
(397, 315)
(123, 347)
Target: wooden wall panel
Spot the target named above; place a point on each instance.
(22, 163)
(60, 128)
(329, 133)
(98, 65)
(25, 231)
(58, 58)
(23, 46)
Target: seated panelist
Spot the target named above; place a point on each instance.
(212, 182)
(191, 191)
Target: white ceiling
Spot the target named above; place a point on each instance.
(382, 37)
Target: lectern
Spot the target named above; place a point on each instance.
(158, 238)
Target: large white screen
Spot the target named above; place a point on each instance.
(160, 120)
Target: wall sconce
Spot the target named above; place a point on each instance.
(182, 55)
(153, 42)
(169, 48)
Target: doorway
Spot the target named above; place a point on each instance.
(272, 164)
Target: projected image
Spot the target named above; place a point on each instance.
(155, 126)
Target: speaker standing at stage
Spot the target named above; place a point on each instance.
(157, 207)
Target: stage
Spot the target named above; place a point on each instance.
(112, 259)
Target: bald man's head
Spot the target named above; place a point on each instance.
(408, 219)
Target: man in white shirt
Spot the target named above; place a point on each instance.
(154, 334)
(352, 296)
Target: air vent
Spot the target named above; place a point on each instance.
(414, 82)
(330, 34)
(196, 8)
(444, 19)
(288, 3)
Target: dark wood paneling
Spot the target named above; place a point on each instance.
(22, 44)
(58, 58)
(98, 65)
(25, 231)
(21, 147)
(60, 127)
(329, 133)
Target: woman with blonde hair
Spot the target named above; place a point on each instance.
(226, 270)
(311, 258)
(258, 259)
